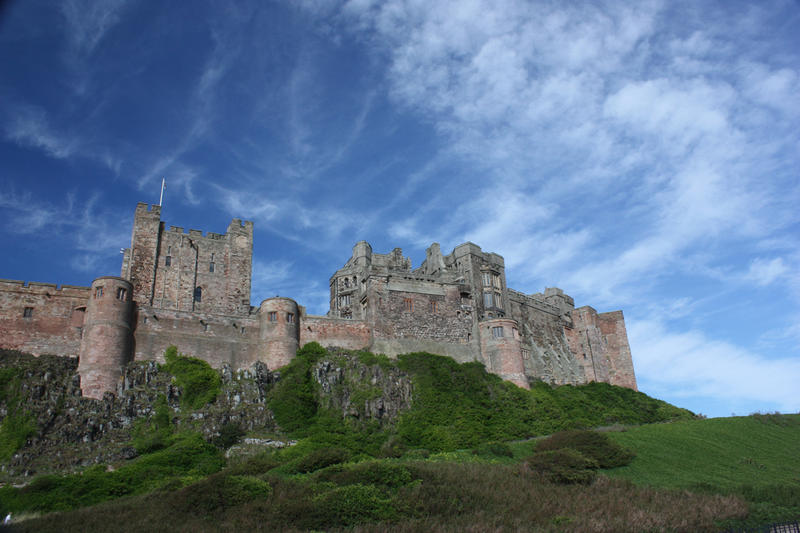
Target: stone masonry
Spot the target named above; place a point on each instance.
(193, 290)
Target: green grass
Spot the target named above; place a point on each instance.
(756, 457)
(723, 452)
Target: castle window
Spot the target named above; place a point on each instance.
(498, 300)
(526, 353)
(347, 315)
(434, 307)
(122, 294)
(242, 330)
(496, 281)
(27, 312)
(344, 301)
(346, 282)
(516, 333)
(408, 304)
(497, 332)
(488, 299)
(211, 267)
(272, 316)
(168, 260)
(198, 294)
(487, 279)
(290, 318)
(98, 292)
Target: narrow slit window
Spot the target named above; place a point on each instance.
(290, 318)
(272, 316)
(98, 292)
(198, 294)
(27, 312)
(211, 264)
(434, 307)
(168, 260)
(408, 304)
(122, 294)
(497, 332)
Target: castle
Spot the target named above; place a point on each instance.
(193, 290)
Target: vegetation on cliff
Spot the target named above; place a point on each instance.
(420, 442)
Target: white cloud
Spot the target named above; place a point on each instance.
(88, 21)
(689, 364)
(29, 126)
(766, 271)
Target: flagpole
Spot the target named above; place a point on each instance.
(161, 199)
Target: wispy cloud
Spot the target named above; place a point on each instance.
(689, 364)
(95, 234)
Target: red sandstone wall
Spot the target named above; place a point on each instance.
(56, 323)
(212, 338)
(343, 333)
(612, 325)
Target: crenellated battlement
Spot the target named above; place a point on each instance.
(36, 287)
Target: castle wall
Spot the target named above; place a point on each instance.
(612, 326)
(216, 339)
(344, 333)
(408, 314)
(56, 317)
(546, 350)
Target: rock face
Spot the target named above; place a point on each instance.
(72, 431)
(364, 392)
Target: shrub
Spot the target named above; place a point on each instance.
(591, 444)
(563, 466)
(353, 504)
(321, 458)
(17, 427)
(199, 382)
(229, 434)
(417, 453)
(493, 449)
(220, 491)
(379, 473)
(393, 447)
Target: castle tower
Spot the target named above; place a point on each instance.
(502, 351)
(106, 344)
(139, 261)
(280, 331)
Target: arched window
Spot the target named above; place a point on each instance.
(198, 294)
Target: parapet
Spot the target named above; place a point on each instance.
(143, 207)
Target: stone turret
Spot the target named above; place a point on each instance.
(280, 331)
(106, 343)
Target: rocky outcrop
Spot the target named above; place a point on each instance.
(73, 431)
(361, 391)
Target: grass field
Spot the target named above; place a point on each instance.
(756, 457)
(723, 452)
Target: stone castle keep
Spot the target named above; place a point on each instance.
(193, 290)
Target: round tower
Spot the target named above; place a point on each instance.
(280, 331)
(502, 350)
(106, 341)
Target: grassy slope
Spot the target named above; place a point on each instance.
(722, 452)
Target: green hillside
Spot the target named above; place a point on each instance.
(757, 457)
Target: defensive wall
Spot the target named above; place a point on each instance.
(192, 289)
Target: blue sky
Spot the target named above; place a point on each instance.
(642, 156)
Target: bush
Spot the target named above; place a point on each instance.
(353, 504)
(380, 473)
(321, 458)
(393, 447)
(220, 491)
(591, 444)
(229, 434)
(417, 454)
(563, 466)
(493, 449)
(199, 382)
